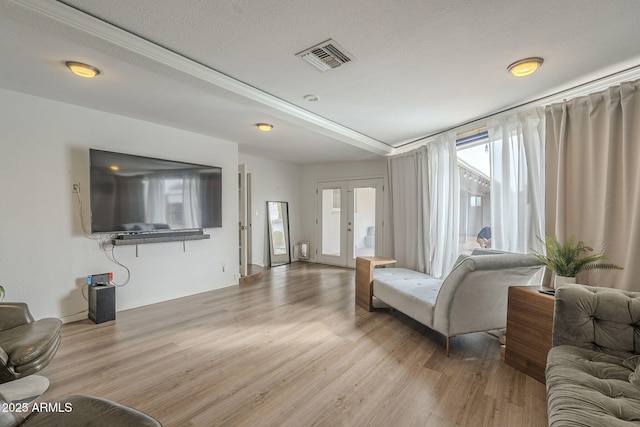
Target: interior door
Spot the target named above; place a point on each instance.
(243, 221)
(350, 220)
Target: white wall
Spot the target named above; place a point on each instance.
(312, 174)
(44, 256)
(272, 180)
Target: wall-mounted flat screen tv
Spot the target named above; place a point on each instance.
(132, 193)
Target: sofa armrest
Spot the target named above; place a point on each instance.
(473, 296)
(14, 314)
(596, 318)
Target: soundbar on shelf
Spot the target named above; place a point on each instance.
(159, 236)
(159, 233)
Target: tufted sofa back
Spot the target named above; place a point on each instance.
(596, 318)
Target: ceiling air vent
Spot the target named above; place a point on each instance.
(326, 55)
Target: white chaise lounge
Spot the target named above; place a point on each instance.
(471, 298)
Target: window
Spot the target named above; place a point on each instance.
(474, 167)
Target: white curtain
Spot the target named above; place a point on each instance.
(410, 223)
(425, 198)
(593, 178)
(444, 200)
(517, 181)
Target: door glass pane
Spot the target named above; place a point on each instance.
(364, 221)
(331, 221)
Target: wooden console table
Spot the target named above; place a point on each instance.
(529, 328)
(364, 279)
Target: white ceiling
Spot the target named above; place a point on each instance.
(218, 68)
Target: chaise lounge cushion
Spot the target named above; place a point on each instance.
(409, 289)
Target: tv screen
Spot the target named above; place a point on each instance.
(132, 193)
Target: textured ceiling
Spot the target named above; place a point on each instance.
(421, 66)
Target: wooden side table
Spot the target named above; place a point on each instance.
(529, 329)
(364, 279)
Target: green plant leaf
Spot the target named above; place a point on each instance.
(602, 266)
(571, 257)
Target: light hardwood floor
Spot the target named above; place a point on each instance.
(291, 349)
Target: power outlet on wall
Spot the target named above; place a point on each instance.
(75, 188)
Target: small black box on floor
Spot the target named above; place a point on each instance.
(102, 303)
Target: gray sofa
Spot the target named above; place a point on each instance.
(593, 368)
(472, 298)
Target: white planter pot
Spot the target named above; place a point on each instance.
(561, 280)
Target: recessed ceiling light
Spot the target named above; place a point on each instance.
(264, 127)
(82, 70)
(525, 67)
(311, 98)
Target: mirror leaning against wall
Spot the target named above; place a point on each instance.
(278, 229)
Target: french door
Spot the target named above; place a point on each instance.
(244, 222)
(349, 220)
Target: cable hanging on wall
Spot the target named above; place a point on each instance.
(104, 240)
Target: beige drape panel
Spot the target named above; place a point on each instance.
(410, 220)
(425, 211)
(593, 178)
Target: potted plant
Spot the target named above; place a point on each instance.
(570, 258)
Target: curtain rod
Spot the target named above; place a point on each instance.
(578, 90)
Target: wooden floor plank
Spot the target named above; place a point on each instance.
(291, 349)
